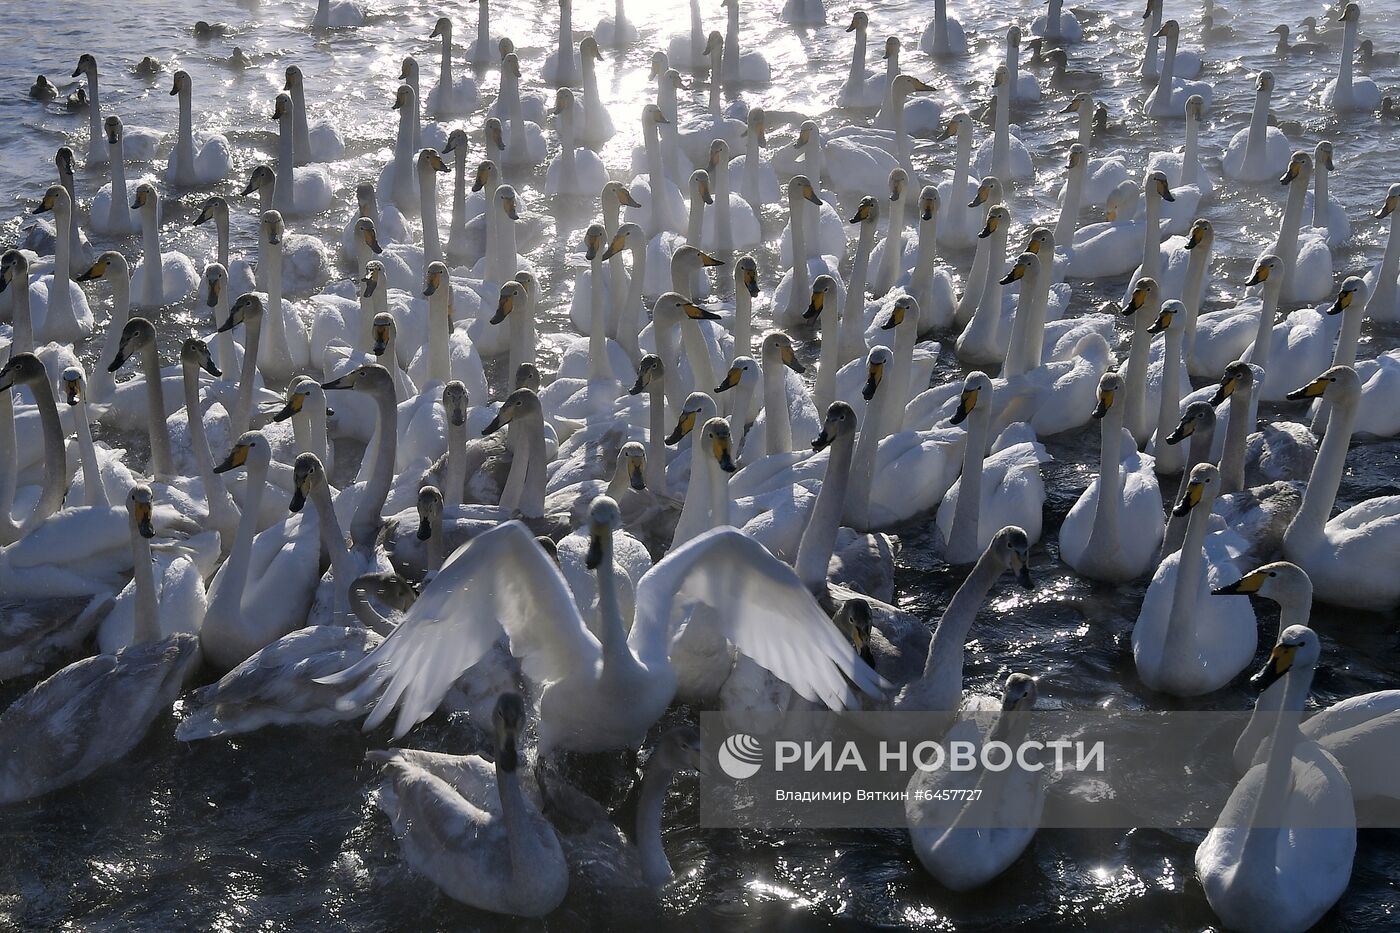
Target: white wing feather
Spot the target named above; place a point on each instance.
(760, 605)
(499, 580)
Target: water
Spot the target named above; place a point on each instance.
(275, 829)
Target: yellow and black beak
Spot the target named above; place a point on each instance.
(708, 261)
(1315, 389)
(750, 280)
(1279, 663)
(503, 308)
(145, 523)
(810, 194)
(1105, 403)
(790, 360)
(1136, 302)
(814, 308)
(1165, 191)
(1388, 208)
(636, 473)
(370, 282)
(295, 401)
(1197, 237)
(1163, 322)
(980, 197)
(1018, 271)
(865, 212)
(874, 374)
(372, 240)
(1344, 300)
(1291, 173)
(989, 229)
(479, 181)
(430, 287)
(1244, 586)
(299, 492)
(618, 244)
(1190, 498)
(1226, 389)
(731, 379)
(697, 313)
(45, 205)
(1261, 275)
(684, 425)
(425, 528)
(236, 458)
(1184, 429)
(895, 319)
(73, 391)
(209, 366)
(722, 453)
(511, 212)
(216, 287)
(624, 197)
(967, 401)
(503, 418)
(118, 360)
(94, 272)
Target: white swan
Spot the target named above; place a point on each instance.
(58, 308)
(296, 192)
(1347, 93)
(1168, 101)
(616, 30)
(1260, 151)
(189, 167)
(943, 37)
(139, 143)
(1102, 175)
(1058, 24)
(575, 172)
(336, 14)
(321, 143)
(1325, 212)
(160, 278)
(739, 67)
(452, 96)
(111, 211)
(1004, 155)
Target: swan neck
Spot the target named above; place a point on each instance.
(146, 617)
(1321, 491)
(364, 525)
(656, 868)
(162, 460)
(819, 539)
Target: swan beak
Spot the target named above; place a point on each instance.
(618, 244)
(1072, 106)
(1136, 302)
(510, 209)
(637, 387)
(1388, 207)
(94, 272)
(874, 375)
(684, 425)
(136, 204)
(750, 280)
(1289, 175)
(789, 359)
(594, 557)
(966, 403)
(480, 181)
(1161, 32)
(1185, 429)
(502, 418)
(815, 307)
(1018, 271)
(1189, 499)
(118, 361)
(1315, 389)
(208, 365)
(142, 512)
(624, 197)
(1250, 583)
(1197, 237)
(1280, 660)
(45, 205)
(1227, 388)
(250, 187)
(298, 499)
(855, 21)
(1105, 403)
(1159, 326)
(948, 131)
(381, 340)
(636, 473)
(425, 527)
(1343, 302)
(72, 389)
(1261, 275)
(293, 406)
(1023, 577)
(697, 313)
(810, 194)
(822, 440)
(731, 379)
(206, 214)
(430, 287)
(372, 241)
(722, 453)
(979, 198)
(346, 381)
(370, 282)
(920, 85)
(706, 260)
(895, 319)
(503, 308)
(236, 458)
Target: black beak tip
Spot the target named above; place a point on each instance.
(425, 531)
(1023, 577)
(298, 501)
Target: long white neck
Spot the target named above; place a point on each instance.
(1321, 491)
(801, 274)
(146, 617)
(1179, 635)
(526, 494)
(925, 261)
(333, 543)
(440, 335)
(1264, 334)
(1139, 353)
(695, 510)
(94, 492)
(1169, 402)
(1196, 266)
(427, 200)
(97, 152)
(731, 45)
(55, 459)
(1103, 537)
(119, 207)
(522, 337)
(274, 357)
(445, 85)
(282, 196)
(301, 132)
(364, 524)
(656, 868)
(1028, 326)
(1069, 208)
(1259, 857)
(986, 319)
(162, 460)
(1286, 246)
(819, 538)
(892, 262)
(1152, 238)
(629, 315)
(724, 220)
(457, 232)
(1162, 99)
(665, 335)
(1321, 204)
(941, 684)
(878, 415)
(855, 79)
(1384, 290)
(598, 365)
(1237, 430)
(153, 283)
(1001, 134)
(753, 164)
(247, 377)
(565, 73)
(233, 577)
(851, 344)
(1190, 152)
(1343, 355)
(1343, 89)
(697, 352)
(743, 322)
(184, 142)
(1256, 142)
(963, 535)
(656, 438)
(9, 477)
(775, 404)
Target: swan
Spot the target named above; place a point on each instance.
(296, 193)
(1281, 450)
(597, 126)
(452, 97)
(1260, 151)
(1284, 48)
(238, 273)
(111, 211)
(687, 49)
(930, 287)
(756, 601)
(58, 308)
(287, 347)
(139, 143)
(1307, 259)
(1325, 213)
(336, 14)
(1287, 835)
(574, 172)
(1125, 494)
(521, 132)
(1185, 64)
(862, 88)
(264, 589)
(1331, 551)
(1058, 24)
(943, 37)
(854, 163)
(1187, 642)
(1025, 89)
(753, 176)
(1346, 93)
(1101, 176)
(1004, 155)
(483, 51)
(696, 134)
(1168, 101)
(101, 479)
(466, 823)
(178, 278)
(25, 370)
(734, 223)
(1354, 731)
(1376, 412)
(794, 290)
(993, 491)
(741, 68)
(1115, 246)
(617, 30)
(189, 167)
(41, 237)
(321, 143)
(922, 117)
(1384, 279)
(1185, 169)
(662, 204)
(965, 841)
(561, 65)
(964, 220)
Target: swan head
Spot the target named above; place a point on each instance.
(1040, 243)
(1158, 186)
(1298, 648)
(443, 28)
(384, 329)
(746, 272)
(593, 242)
(1280, 30)
(679, 749)
(271, 227)
(293, 78)
(213, 208)
(976, 390)
(618, 193)
(1013, 37)
(989, 190)
(899, 180)
(744, 369)
(1201, 486)
(1339, 382)
(505, 47)
(1019, 694)
(140, 510)
(698, 408)
(137, 335)
(892, 47)
(246, 307)
(300, 389)
(633, 457)
(1170, 29)
(628, 236)
(1081, 102)
(1027, 264)
(454, 403)
(1238, 375)
(262, 177)
(459, 142)
(1199, 415)
(1145, 294)
(700, 187)
(1202, 234)
(649, 371)
(588, 50)
(1392, 201)
(905, 307)
(388, 587)
(14, 267)
(1353, 290)
(717, 442)
(957, 124)
(108, 263)
(429, 161)
(998, 221)
(369, 378)
(87, 65)
(1267, 269)
(1001, 81)
(1265, 82)
(677, 307)
(719, 156)
(404, 98)
(1280, 581)
(74, 383)
(866, 212)
(250, 448)
(283, 107)
(660, 64)
(854, 620)
(180, 83)
(860, 21)
(757, 125)
(714, 44)
(434, 278)
(652, 117)
(194, 353)
(365, 232)
(876, 362)
(1110, 389)
(522, 403)
(1195, 108)
(1351, 13)
(840, 422)
(563, 102)
(604, 517)
(146, 198)
(1012, 548)
(527, 376)
(63, 158)
(55, 199)
(929, 202)
(510, 293)
(505, 197)
(1101, 117)
(1299, 168)
(1172, 311)
(373, 277)
(506, 721)
(905, 84)
(485, 171)
(23, 369)
(1322, 156)
(822, 286)
(429, 511)
(308, 475)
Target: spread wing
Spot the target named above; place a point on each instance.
(759, 605)
(499, 581)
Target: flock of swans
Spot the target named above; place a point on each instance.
(355, 491)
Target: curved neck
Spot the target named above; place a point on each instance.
(940, 686)
(247, 377)
(146, 616)
(697, 352)
(1264, 334)
(364, 525)
(333, 543)
(892, 261)
(1259, 856)
(1069, 209)
(1139, 354)
(1348, 54)
(94, 492)
(301, 132)
(828, 361)
(1028, 326)
(1326, 478)
(55, 458)
(963, 535)
(656, 868)
(162, 464)
(856, 78)
(1255, 142)
(775, 405)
